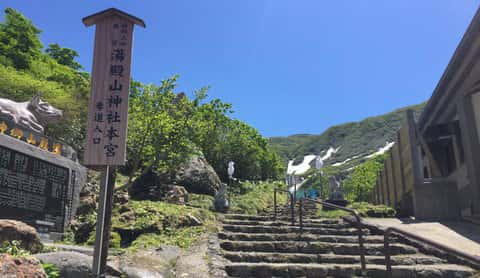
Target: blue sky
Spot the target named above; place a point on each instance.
(287, 67)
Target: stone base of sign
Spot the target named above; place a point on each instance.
(38, 187)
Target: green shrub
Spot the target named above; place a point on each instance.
(200, 201)
(51, 270)
(363, 208)
(13, 248)
(114, 241)
(258, 199)
(369, 210)
(183, 238)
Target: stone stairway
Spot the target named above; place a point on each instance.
(257, 246)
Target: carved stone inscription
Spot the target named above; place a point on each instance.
(33, 190)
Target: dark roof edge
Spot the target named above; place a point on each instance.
(454, 63)
(92, 19)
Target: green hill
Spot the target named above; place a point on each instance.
(351, 140)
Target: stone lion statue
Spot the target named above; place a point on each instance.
(33, 114)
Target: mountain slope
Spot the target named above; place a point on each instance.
(349, 141)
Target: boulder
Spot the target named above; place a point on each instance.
(82, 230)
(73, 264)
(177, 195)
(15, 230)
(20, 267)
(197, 176)
(89, 194)
(151, 185)
(148, 263)
(121, 197)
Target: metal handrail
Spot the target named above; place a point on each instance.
(292, 204)
(437, 245)
(352, 212)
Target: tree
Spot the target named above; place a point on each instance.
(63, 56)
(361, 183)
(19, 40)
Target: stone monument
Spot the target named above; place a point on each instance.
(220, 201)
(40, 178)
(336, 193)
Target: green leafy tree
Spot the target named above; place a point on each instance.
(19, 40)
(158, 127)
(63, 56)
(359, 186)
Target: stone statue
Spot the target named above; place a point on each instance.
(220, 202)
(335, 187)
(33, 114)
(231, 169)
(336, 196)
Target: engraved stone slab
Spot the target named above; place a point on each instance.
(38, 187)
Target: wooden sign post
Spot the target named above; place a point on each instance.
(105, 145)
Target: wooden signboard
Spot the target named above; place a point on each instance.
(108, 113)
(110, 87)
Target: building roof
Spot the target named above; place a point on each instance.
(92, 19)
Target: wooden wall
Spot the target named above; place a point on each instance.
(395, 182)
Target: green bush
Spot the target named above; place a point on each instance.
(258, 199)
(51, 270)
(183, 238)
(363, 208)
(369, 210)
(200, 201)
(13, 248)
(359, 186)
(114, 241)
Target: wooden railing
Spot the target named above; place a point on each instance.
(388, 263)
(352, 212)
(292, 204)
(472, 260)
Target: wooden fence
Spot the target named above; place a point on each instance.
(401, 171)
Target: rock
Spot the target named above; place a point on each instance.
(197, 176)
(151, 185)
(177, 195)
(73, 264)
(20, 267)
(193, 263)
(89, 195)
(121, 197)
(87, 205)
(82, 230)
(15, 230)
(194, 221)
(148, 263)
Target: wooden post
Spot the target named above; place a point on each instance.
(387, 183)
(402, 165)
(393, 178)
(102, 236)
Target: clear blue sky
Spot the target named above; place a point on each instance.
(286, 66)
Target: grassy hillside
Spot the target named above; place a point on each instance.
(352, 139)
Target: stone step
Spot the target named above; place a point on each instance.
(307, 223)
(247, 217)
(373, 249)
(267, 257)
(284, 218)
(290, 229)
(297, 237)
(263, 270)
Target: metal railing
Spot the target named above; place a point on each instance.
(388, 263)
(292, 204)
(352, 212)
